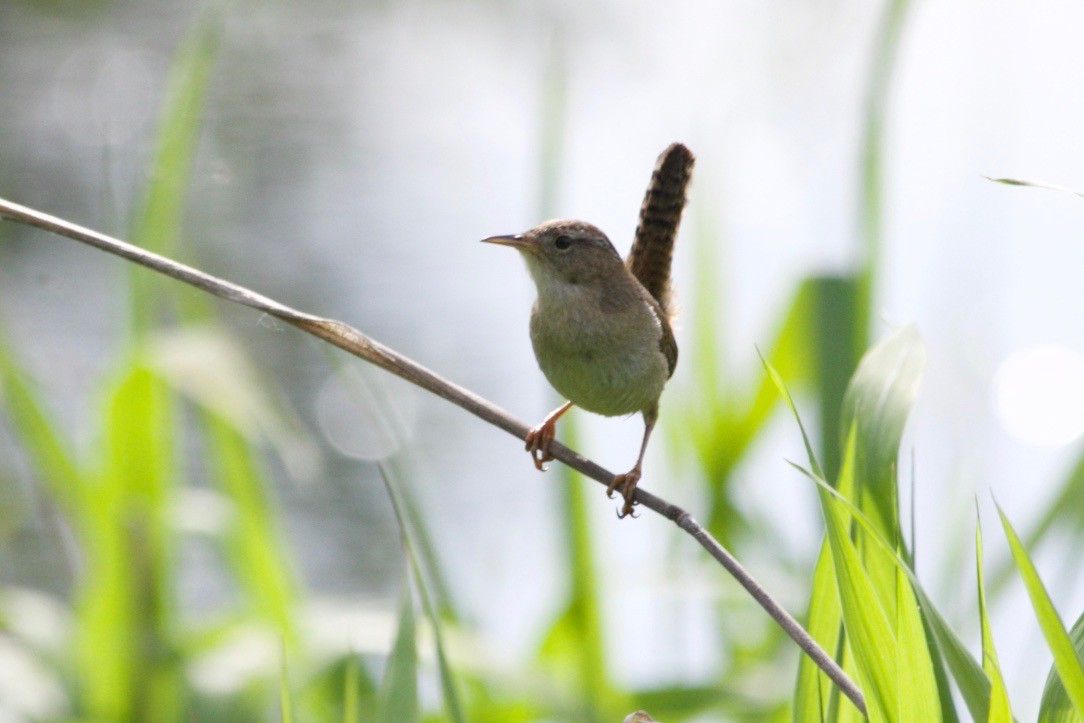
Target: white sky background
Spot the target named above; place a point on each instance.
(406, 132)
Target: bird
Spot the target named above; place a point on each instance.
(601, 326)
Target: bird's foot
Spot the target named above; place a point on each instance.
(626, 483)
(538, 444)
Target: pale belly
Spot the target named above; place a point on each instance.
(603, 368)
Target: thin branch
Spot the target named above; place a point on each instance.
(351, 340)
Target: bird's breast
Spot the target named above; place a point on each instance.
(606, 361)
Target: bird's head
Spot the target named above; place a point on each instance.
(564, 252)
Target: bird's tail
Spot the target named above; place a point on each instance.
(660, 214)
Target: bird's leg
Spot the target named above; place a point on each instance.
(539, 438)
(627, 482)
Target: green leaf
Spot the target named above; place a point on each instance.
(780, 386)
(1068, 666)
(815, 697)
(42, 440)
(1065, 511)
(1056, 706)
(447, 680)
(966, 671)
(999, 698)
(399, 689)
(919, 699)
(877, 404)
(815, 692)
(124, 606)
(253, 543)
(876, 407)
(868, 630)
(157, 224)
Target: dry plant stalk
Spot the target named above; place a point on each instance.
(353, 341)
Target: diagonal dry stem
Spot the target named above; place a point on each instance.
(350, 339)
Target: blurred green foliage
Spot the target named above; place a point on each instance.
(131, 649)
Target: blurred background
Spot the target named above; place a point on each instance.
(193, 493)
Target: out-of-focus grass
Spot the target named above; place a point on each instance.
(130, 646)
(401, 676)
(132, 650)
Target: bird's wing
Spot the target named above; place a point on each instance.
(660, 214)
(667, 342)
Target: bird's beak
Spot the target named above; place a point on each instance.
(517, 241)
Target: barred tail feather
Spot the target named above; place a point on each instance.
(660, 215)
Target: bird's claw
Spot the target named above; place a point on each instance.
(626, 483)
(538, 444)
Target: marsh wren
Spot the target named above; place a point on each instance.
(600, 327)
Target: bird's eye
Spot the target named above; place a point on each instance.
(563, 242)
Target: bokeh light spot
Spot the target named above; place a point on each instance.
(1039, 395)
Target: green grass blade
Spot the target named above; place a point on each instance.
(252, 542)
(399, 689)
(1065, 511)
(1056, 707)
(999, 698)
(157, 224)
(447, 680)
(781, 387)
(869, 632)
(966, 671)
(124, 608)
(1068, 666)
(1034, 184)
(789, 356)
(877, 404)
(920, 699)
(814, 691)
(425, 553)
(372, 401)
(125, 619)
(43, 442)
(876, 407)
(452, 703)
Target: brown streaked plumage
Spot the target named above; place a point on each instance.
(660, 215)
(600, 327)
